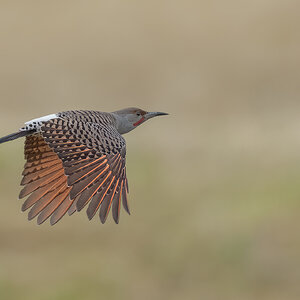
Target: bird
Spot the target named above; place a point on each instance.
(77, 158)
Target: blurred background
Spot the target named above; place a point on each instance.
(214, 187)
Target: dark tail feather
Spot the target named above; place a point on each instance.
(16, 135)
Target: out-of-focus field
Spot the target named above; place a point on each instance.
(214, 187)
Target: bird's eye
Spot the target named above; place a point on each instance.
(138, 114)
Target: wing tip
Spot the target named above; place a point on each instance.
(40, 220)
(102, 220)
(116, 220)
(89, 214)
(54, 220)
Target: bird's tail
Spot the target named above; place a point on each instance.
(16, 135)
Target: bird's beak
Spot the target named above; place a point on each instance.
(150, 115)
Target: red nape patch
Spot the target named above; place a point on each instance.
(139, 122)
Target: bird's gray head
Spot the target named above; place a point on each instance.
(130, 118)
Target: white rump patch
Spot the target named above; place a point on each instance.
(42, 119)
(35, 124)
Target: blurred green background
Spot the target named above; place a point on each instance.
(214, 187)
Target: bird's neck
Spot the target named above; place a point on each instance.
(122, 124)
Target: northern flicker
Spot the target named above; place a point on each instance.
(75, 158)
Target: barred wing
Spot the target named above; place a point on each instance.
(86, 163)
(44, 180)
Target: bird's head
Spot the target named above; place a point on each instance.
(130, 118)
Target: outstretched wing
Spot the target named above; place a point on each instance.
(72, 164)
